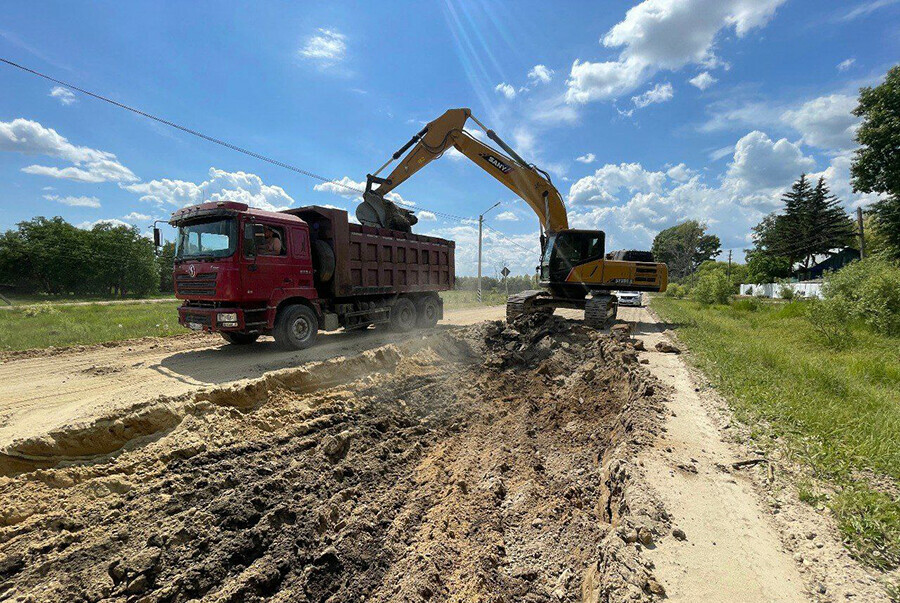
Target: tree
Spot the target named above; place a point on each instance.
(165, 262)
(876, 165)
(684, 247)
(763, 267)
(813, 224)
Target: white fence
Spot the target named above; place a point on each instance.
(773, 290)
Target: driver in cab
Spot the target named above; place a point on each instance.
(272, 244)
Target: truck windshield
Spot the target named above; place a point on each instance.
(212, 238)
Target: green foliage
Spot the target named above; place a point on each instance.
(870, 290)
(763, 267)
(712, 287)
(39, 309)
(876, 166)
(53, 257)
(785, 291)
(675, 290)
(516, 284)
(830, 321)
(165, 262)
(684, 247)
(745, 305)
(836, 411)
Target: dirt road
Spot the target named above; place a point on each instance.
(46, 393)
(546, 462)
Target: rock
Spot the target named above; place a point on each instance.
(820, 588)
(655, 587)
(639, 345)
(798, 557)
(667, 348)
(810, 535)
(645, 536)
(628, 534)
(679, 534)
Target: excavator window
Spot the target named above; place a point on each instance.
(566, 250)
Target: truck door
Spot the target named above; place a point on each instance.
(267, 260)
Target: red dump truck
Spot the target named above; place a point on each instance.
(245, 272)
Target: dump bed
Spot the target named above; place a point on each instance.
(378, 261)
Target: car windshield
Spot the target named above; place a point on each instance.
(212, 238)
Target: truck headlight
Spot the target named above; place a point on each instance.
(226, 317)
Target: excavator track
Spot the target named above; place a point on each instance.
(599, 310)
(520, 303)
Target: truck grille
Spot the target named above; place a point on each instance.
(202, 284)
(202, 319)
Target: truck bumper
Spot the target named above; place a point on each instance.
(209, 319)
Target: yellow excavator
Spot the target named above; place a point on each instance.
(574, 270)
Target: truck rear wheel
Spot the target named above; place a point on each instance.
(403, 315)
(428, 312)
(296, 327)
(239, 338)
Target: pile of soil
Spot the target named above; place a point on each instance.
(483, 464)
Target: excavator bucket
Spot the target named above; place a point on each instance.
(375, 210)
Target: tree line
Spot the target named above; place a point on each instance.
(52, 257)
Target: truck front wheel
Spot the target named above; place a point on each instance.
(296, 327)
(239, 338)
(403, 315)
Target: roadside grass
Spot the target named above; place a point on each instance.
(45, 325)
(837, 410)
(24, 299)
(458, 299)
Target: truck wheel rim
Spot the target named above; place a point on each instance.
(430, 311)
(300, 328)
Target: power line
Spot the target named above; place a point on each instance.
(243, 150)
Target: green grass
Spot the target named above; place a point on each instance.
(46, 325)
(24, 299)
(836, 410)
(456, 299)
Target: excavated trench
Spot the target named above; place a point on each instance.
(483, 464)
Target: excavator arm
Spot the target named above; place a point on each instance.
(526, 181)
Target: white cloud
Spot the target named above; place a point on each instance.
(426, 216)
(507, 216)
(520, 252)
(340, 187)
(241, 187)
(540, 73)
(326, 47)
(90, 165)
(137, 217)
(607, 181)
(586, 158)
(506, 90)
(703, 80)
(65, 96)
(660, 93)
(762, 167)
(866, 8)
(110, 221)
(680, 173)
(846, 64)
(663, 34)
(93, 202)
(718, 154)
(826, 122)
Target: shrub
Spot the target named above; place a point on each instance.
(675, 290)
(745, 305)
(785, 291)
(871, 290)
(39, 309)
(830, 320)
(712, 288)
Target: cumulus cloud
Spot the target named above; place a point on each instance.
(762, 166)
(520, 252)
(703, 80)
(826, 122)
(540, 73)
(110, 221)
(326, 47)
(507, 216)
(426, 216)
(135, 217)
(89, 165)
(241, 187)
(64, 95)
(605, 184)
(92, 202)
(663, 35)
(660, 93)
(680, 173)
(845, 64)
(506, 90)
(586, 158)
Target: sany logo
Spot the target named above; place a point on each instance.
(192, 271)
(503, 167)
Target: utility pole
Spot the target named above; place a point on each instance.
(729, 266)
(480, 223)
(862, 234)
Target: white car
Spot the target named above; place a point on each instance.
(630, 298)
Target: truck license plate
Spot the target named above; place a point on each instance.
(195, 326)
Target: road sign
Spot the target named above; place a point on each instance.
(505, 272)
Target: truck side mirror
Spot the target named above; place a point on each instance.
(157, 238)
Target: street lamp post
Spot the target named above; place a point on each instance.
(480, 223)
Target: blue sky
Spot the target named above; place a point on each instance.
(645, 114)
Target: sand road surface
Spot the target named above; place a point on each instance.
(537, 462)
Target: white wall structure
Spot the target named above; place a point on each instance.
(773, 290)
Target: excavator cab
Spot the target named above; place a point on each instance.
(566, 249)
